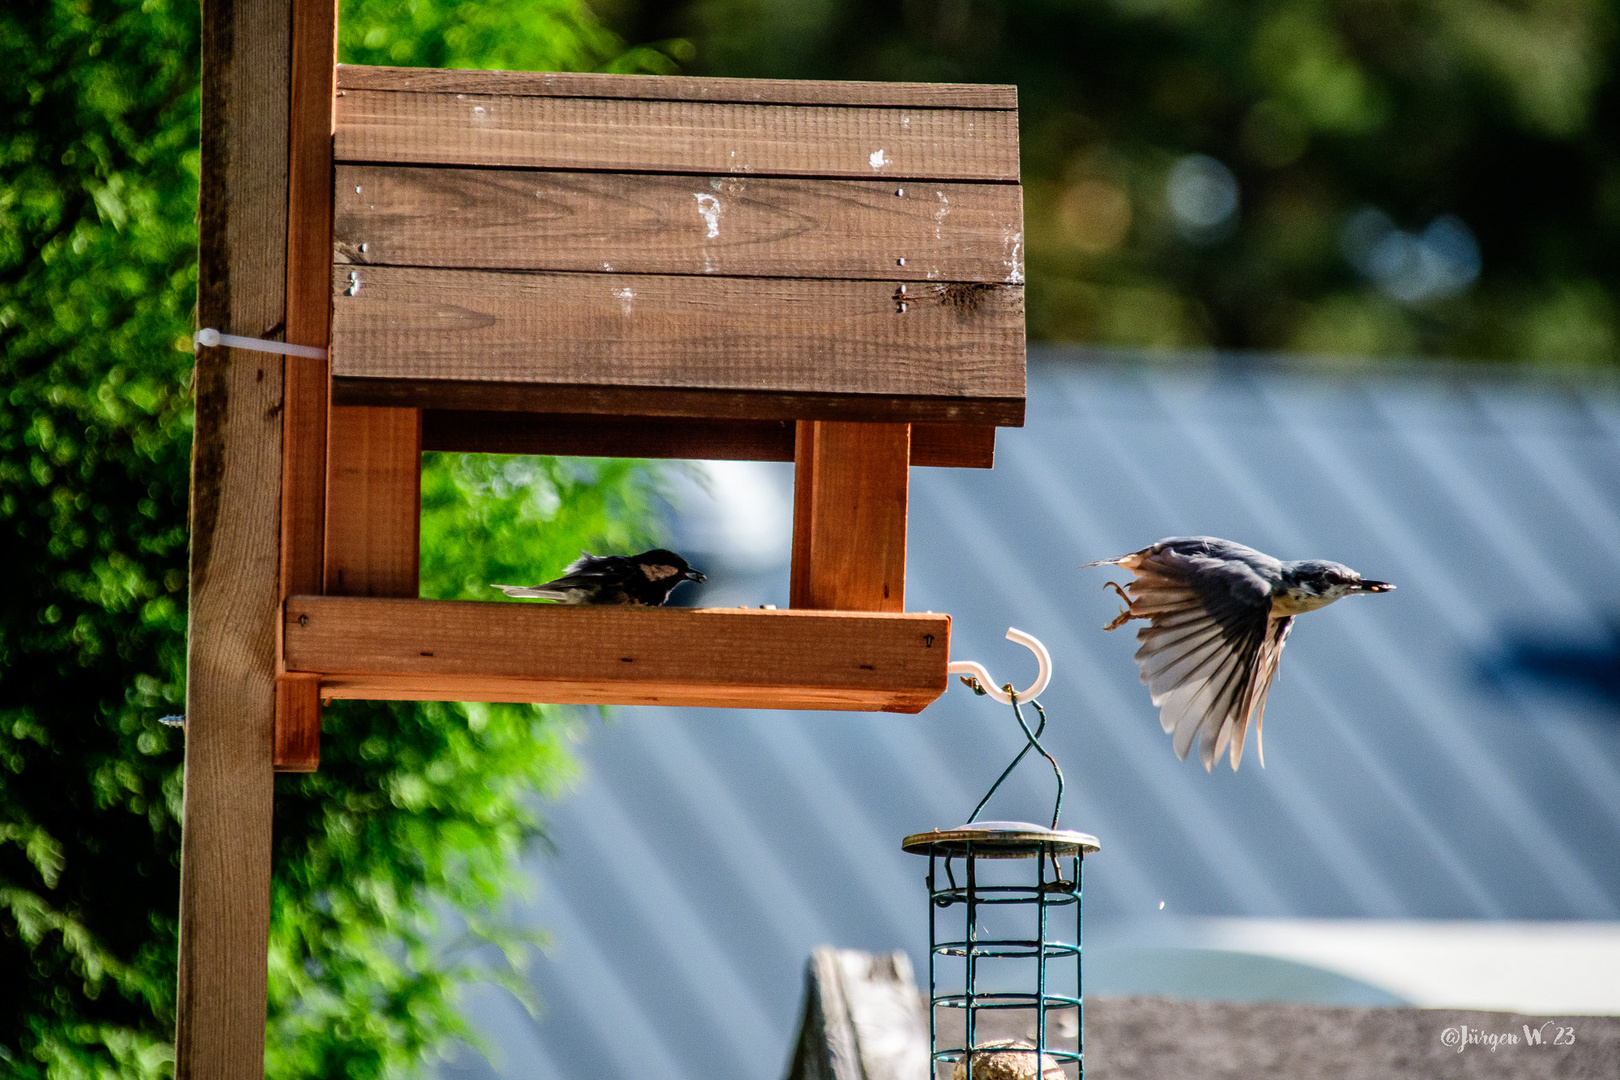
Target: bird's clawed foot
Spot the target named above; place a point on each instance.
(1125, 616)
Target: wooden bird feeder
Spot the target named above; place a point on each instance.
(827, 273)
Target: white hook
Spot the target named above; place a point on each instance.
(993, 688)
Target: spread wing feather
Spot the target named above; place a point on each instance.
(1211, 648)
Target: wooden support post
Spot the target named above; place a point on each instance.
(308, 382)
(235, 577)
(849, 516)
(374, 502)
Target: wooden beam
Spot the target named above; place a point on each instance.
(308, 390)
(617, 401)
(298, 723)
(732, 657)
(849, 516)
(521, 219)
(678, 88)
(959, 446)
(236, 493)
(374, 503)
(849, 339)
(891, 143)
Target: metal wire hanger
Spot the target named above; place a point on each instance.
(977, 679)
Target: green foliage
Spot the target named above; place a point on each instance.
(1500, 112)
(392, 862)
(98, 182)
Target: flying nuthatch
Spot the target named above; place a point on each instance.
(1219, 614)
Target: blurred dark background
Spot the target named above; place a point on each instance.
(1368, 177)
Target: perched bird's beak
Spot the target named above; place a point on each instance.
(693, 575)
(1374, 586)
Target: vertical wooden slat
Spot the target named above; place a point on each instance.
(308, 382)
(298, 722)
(849, 516)
(235, 526)
(373, 502)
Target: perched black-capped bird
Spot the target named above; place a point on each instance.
(1219, 614)
(646, 579)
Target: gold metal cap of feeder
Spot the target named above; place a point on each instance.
(1001, 840)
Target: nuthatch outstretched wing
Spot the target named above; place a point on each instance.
(1219, 614)
(646, 579)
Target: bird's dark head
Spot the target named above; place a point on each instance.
(1323, 581)
(661, 564)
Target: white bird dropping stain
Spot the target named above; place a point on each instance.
(939, 215)
(878, 159)
(709, 207)
(626, 298)
(1015, 258)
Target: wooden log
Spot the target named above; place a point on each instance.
(677, 88)
(849, 516)
(737, 658)
(425, 330)
(737, 226)
(235, 509)
(621, 135)
(960, 446)
(308, 383)
(374, 503)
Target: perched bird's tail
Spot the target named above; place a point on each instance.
(539, 592)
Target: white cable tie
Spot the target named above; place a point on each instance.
(210, 336)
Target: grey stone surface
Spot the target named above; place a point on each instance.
(1155, 1038)
(1162, 1039)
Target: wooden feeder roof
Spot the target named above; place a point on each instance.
(657, 246)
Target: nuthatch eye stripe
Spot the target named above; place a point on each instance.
(1218, 615)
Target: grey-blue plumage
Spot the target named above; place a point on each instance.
(1218, 615)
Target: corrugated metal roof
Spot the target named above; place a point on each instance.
(1448, 751)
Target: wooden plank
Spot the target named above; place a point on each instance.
(374, 503)
(862, 1019)
(849, 516)
(308, 384)
(677, 136)
(235, 545)
(571, 435)
(691, 404)
(522, 219)
(678, 88)
(961, 446)
(734, 657)
(431, 327)
(298, 722)
(953, 446)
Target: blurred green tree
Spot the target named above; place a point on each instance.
(392, 861)
(1371, 177)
